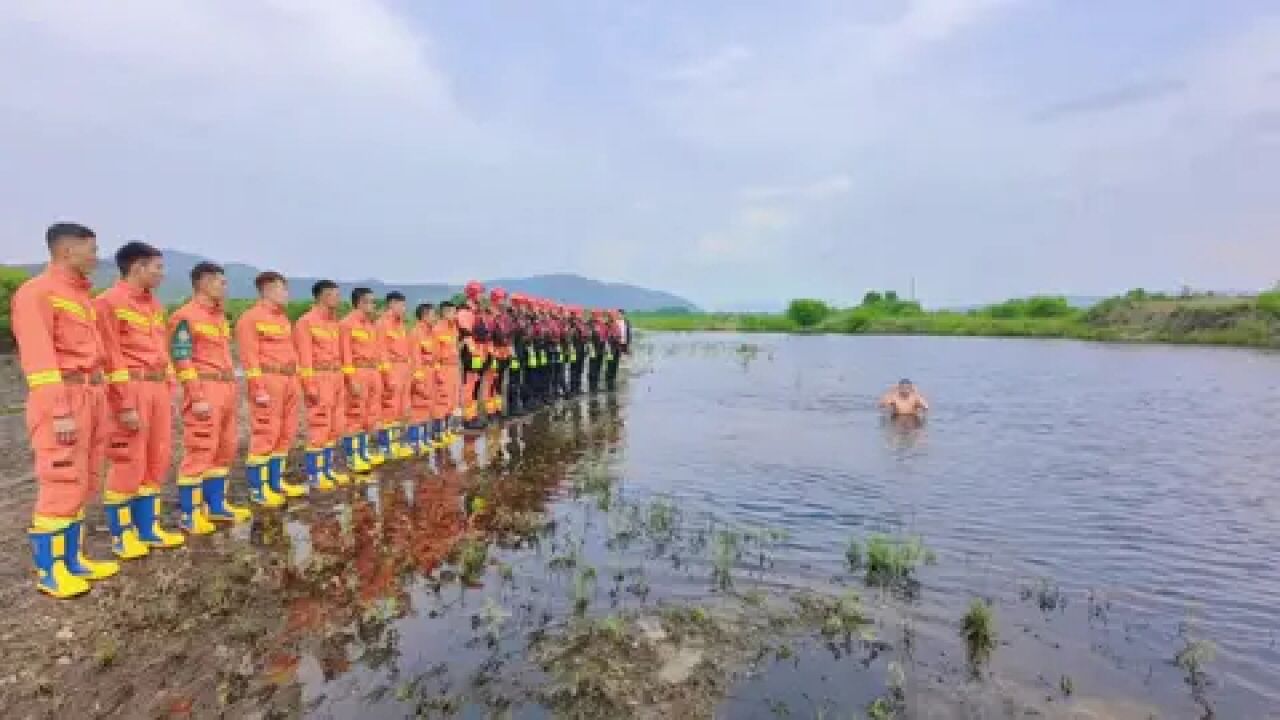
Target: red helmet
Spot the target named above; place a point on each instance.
(497, 295)
(474, 290)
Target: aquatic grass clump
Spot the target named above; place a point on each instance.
(662, 519)
(584, 585)
(845, 617)
(979, 632)
(473, 555)
(890, 560)
(724, 555)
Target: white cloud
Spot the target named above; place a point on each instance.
(219, 55)
(717, 66)
(821, 189)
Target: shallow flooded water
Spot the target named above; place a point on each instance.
(1118, 507)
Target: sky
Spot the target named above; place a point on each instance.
(736, 153)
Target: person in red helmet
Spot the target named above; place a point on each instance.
(473, 333)
(577, 349)
(616, 345)
(560, 370)
(597, 340)
(516, 366)
(500, 361)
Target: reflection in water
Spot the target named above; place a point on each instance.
(361, 562)
(903, 432)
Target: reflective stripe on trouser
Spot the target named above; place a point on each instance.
(447, 390)
(470, 394)
(210, 444)
(363, 410)
(274, 427)
(497, 393)
(324, 415)
(67, 475)
(142, 457)
(396, 407)
(422, 400)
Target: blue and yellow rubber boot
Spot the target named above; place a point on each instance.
(257, 472)
(120, 521)
(356, 459)
(412, 441)
(77, 563)
(331, 468)
(49, 553)
(370, 452)
(146, 521)
(313, 462)
(402, 447)
(275, 478)
(217, 507)
(192, 518)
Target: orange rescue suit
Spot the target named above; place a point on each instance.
(270, 361)
(62, 357)
(140, 378)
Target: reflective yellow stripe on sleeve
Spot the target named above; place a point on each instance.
(119, 376)
(252, 373)
(306, 372)
(188, 375)
(348, 370)
(44, 377)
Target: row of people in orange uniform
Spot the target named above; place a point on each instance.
(369, 386)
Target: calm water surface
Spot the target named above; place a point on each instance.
(1111, 501)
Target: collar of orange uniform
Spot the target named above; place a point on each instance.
(269, 307)
(208, 305)
(71, 277)
(134, 292)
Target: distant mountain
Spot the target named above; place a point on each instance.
(566, 288)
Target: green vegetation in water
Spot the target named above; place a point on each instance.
(846, 617)
(473, 555)
(584, 586)
(1137, 316)
(889, 560)
(724, 556)
(979, 632)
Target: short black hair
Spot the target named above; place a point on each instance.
(203, 269)
(395, 295)
(270, 277)
(358, 294)
(132, 253)
(321, 287)
(59, 231)
(423, 309)
(447, 304)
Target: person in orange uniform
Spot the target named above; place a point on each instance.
(315, 336)
(474, 336)
(270, 361)
(61, 355)
(500, 352)
(139, 395)
(200, 347)
(397, 373)
(448, 376)
(422, 401)
(361, 360)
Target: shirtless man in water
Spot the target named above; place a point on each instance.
(904, 400)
